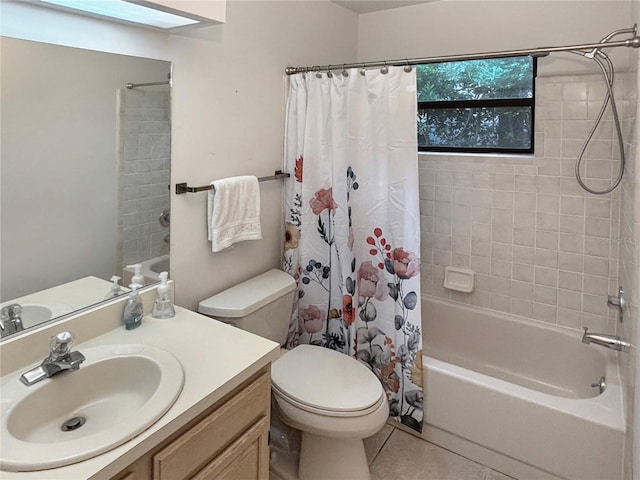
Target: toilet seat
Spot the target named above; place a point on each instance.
(325, 382)
(324, 411)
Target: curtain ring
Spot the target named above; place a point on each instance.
(363, 70)
(344, 71)
(407, 67)
(318, 72)
(329, 72)
(384, 70)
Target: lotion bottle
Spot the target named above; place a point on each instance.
(133, 309)
(163, 306)
(137, 278)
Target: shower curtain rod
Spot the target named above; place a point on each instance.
(634, 42)
(134, 85)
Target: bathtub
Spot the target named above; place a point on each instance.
(516, 396)
(150, 270)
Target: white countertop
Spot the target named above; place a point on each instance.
(75, 295)
(216, 358)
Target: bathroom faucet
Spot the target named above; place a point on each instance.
(610, 341)
(11, 319)
(60, 359)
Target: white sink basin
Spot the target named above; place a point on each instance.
(120, 390)
(35, 314)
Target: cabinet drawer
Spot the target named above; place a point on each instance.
(197, 446)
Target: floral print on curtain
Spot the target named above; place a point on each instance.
(352, 225)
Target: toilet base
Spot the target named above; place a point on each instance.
(324, 458)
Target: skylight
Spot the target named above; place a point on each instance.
(126, 11)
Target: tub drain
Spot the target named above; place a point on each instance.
(73, 424)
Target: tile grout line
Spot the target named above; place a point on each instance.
(373, 459)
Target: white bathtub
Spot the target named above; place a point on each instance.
(516, 396)
(150, 270)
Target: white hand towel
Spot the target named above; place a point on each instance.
(233, 211)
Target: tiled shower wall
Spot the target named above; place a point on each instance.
(144, 166)
(629, 262)
(540, 246)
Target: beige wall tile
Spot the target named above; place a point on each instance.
(541, 247)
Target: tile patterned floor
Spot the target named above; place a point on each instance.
(396, 455)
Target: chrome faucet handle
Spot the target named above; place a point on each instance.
(60, 359)
(11, 318)
(11, 312)
(15, 310)
(60, 345)
(618, 302)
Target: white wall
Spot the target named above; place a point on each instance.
(227, 111)
(456, 27)
(229, 121)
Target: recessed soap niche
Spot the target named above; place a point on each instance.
(459, 279)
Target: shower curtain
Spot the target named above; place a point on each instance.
(352, 237)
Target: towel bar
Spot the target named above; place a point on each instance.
(184, 188)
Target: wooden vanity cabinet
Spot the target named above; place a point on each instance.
(226, 442)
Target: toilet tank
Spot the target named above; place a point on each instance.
(260, 305)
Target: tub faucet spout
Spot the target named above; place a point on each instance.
(610, 341)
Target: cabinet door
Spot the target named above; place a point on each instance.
(128, 476)
(196, 448)
(246, 458)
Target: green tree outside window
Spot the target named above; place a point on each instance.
(476, 105)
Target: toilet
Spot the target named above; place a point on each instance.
(334, 400)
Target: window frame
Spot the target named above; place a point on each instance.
(491, 103)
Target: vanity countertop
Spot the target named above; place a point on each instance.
(74, 295)
(216, 359)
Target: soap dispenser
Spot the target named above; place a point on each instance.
(137, 278)
(163, 306)
(133, 309)
(116, 289)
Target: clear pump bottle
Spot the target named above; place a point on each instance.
(163, 306)
(137, 278)
(116, 289)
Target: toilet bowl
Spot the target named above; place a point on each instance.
(333, 399)
(335, 402)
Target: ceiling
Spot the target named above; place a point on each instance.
(368, 6)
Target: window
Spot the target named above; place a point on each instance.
(484, 106)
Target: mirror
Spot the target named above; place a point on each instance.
(84, 175)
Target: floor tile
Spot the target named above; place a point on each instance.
(409, 458)
(493, 475)
(374, 444)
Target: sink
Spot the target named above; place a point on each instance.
(35, 314)
(118, 392)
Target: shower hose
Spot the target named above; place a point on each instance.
(606, 66)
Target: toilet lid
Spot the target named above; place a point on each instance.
(325, 379)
